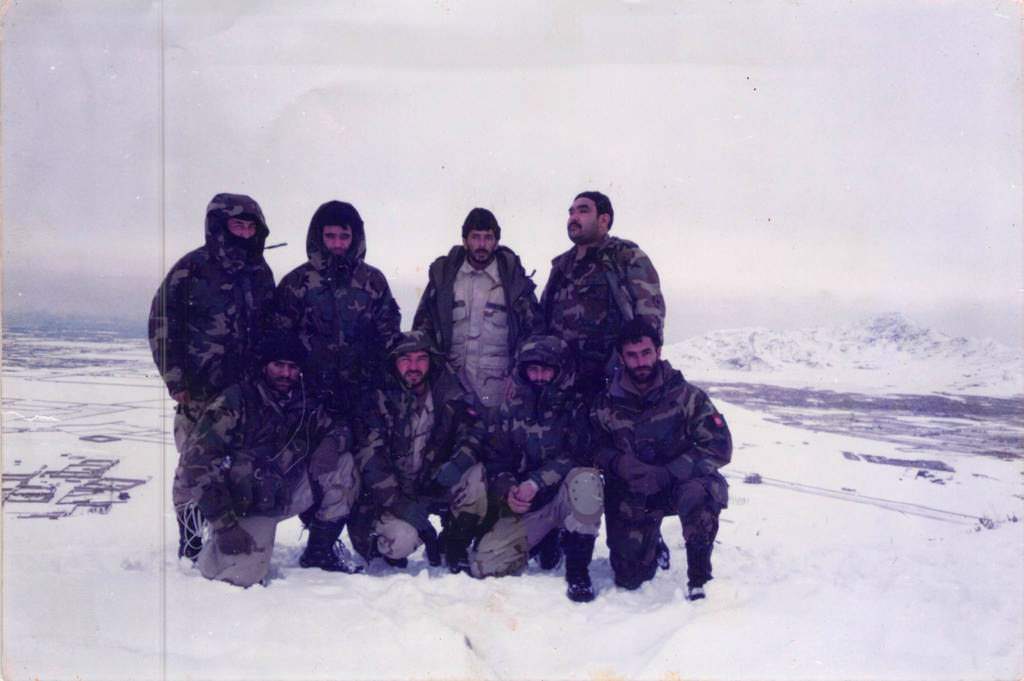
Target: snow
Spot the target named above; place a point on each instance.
(884, 354)
(833, 567)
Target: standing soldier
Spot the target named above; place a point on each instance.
(205, 323)
(661, 444)
(595, 287)
(340, 307)
(536, 485)
(262, 452)
(478, 306)
(419, 443)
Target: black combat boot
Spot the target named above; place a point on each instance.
(698, 569)
(579, 549)
(549, 550)
(662, 554)
(325, 550)
(190, 531)
(457, 537)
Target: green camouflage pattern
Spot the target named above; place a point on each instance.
(539, 431)
(674, 425)
(385, 433)
(247, 435)
(212, 308)
(586, 302)
(343, 311)
(434, 313)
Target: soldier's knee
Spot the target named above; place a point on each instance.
(471, 492)
(397, 539)
(584, 490)
(691, 496)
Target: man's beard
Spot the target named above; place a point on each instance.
(413, 378)
(282, 386)
(641, 376)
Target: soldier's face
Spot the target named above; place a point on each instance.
(540, 374)
(480, 245)
(281, 375)
(413, 367)
(243, 229)
(585, 226)
(640, 360)
(337, 239)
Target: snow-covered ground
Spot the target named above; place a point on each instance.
(891, 551)
(885, 354)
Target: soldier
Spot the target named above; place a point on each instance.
(420, 441)
(535, 485)
(341, 308)
(264, 451)
(595, 287)
(662, 443)
(205, 323)
(479, 305)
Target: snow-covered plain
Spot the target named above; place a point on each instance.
(891, 551)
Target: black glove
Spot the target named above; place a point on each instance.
(681, 467)
(233, 540)
(414, 512)
(431, 546)
(448, 475)
(640, 478)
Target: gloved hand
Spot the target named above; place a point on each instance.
(640, 478)
(448, 475)
(233, 540)
(431, 546)
(681, 467)
(520, 496)
(414, 512)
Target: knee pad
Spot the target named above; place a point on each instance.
(586, 491)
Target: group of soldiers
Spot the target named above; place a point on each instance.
(518, 421)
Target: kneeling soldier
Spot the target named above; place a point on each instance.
(262, 452)
(662, 443)
(535, 487)
(419, 443)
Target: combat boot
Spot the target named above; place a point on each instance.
(326, 551)
(190, 531)
(579, 549)
(457, 537)
(549, 550)
(698, 569)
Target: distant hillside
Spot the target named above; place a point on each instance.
(888, 352)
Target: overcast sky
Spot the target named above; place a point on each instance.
(783, 163)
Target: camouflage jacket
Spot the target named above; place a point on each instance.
(672, 424)
(586, 302)
(434, 314)
(343, 311)
(247, 436)
(207, 317)
(385, 436)
(540, 432)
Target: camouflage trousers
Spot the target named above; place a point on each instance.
(397, 539)
(634, 526)
(185, 418)
(338, 490)
(505, 548)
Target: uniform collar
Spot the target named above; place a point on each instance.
(491, 270)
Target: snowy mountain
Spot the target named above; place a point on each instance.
(886, 352)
